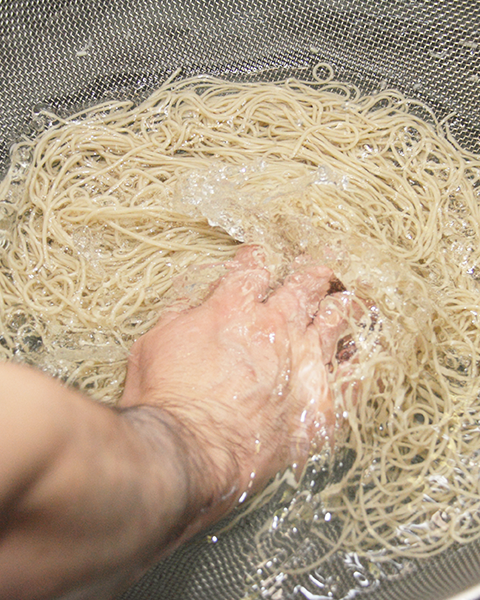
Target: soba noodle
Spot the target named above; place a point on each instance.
(111, 214)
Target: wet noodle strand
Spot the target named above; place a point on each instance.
(111, 214)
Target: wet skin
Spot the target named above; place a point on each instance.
(218, 398)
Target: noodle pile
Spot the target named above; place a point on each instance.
(111, 214)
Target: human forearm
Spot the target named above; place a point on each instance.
(83, 489)
(217, 399)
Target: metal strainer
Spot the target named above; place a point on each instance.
(65, 54)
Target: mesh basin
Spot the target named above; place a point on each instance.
(69, 54)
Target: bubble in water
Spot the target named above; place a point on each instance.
(18, 170)
(89, 245)
(328, 176)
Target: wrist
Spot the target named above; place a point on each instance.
(204, 475)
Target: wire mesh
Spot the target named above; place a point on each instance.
(69, 54)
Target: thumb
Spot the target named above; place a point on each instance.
(314, 415)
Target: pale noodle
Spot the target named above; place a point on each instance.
(105, 210)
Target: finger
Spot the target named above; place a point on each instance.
(246, 282)
(249, 256)
(298, 298)
(191, 285)
(352, 381)
(330, 323)
(180, 306)
(315, 416)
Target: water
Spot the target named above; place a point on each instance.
(291, 549)
(89, 245)
(290, 545)
(228, 197)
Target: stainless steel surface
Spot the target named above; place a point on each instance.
(66, 54)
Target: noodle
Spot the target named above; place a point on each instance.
(113, 213)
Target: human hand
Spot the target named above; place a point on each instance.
(234, 387)
(243, 376)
